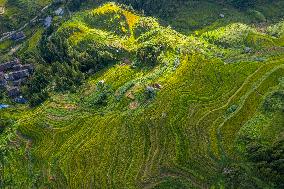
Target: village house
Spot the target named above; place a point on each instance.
(18, 83)
(20, 100)
(8, 65)
(13, 92)
(17, 67)
(28, 67)
(18, 36)
(12, 76)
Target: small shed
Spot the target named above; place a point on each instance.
(2, 106)
(47, 21)
(20, 100)
(59, 11)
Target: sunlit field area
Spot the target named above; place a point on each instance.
(169, 94)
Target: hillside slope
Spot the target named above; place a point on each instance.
(149, 107)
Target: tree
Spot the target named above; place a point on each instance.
(243, 4)
(36, 87)
(148, 54)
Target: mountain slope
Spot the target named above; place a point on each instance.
(158, 109)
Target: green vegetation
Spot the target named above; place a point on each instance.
(118, 100)
(18, 12)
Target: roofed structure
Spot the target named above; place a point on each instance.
(47, 21)
(28, 67)
(8, 65)
(13, 92)
(17, 75)
(18, 36)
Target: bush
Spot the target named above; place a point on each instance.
(112, 21)
(233, 35)
(67, 77)
(276, 30)
(36, 88)
(2, 93)
(268, 160)
(236, 176)
(100, 97)
(144, 25)
(243, 4)
(150, 93)
(258, 16)
(274, 102)
(75, 5)
(148, 53)
(38, 98)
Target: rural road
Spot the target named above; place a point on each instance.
(9, 34)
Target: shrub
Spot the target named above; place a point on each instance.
(144, 25)
(232, 109)
(268, 160)
(243, 4)
(67, 77)
(94, 55)
(100, 96)
(2, 93)
(75, 4)
(110, 19)
(258, 16)
(38, 98)
(36, 88)
(259, 41)
(274, 102)
(233, 35)
(236, 176)
(277, 30)
(148, 54)
(150, 93)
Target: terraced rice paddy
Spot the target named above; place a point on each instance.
(146, 145)
(185, 136)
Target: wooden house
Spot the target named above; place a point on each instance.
(13, 92)
(8, 65)
(18, 75)
(18, 36)
(28, 67)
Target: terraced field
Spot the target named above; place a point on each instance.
(174, 124)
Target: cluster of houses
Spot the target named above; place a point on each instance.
(12, 75)
(47, 21)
